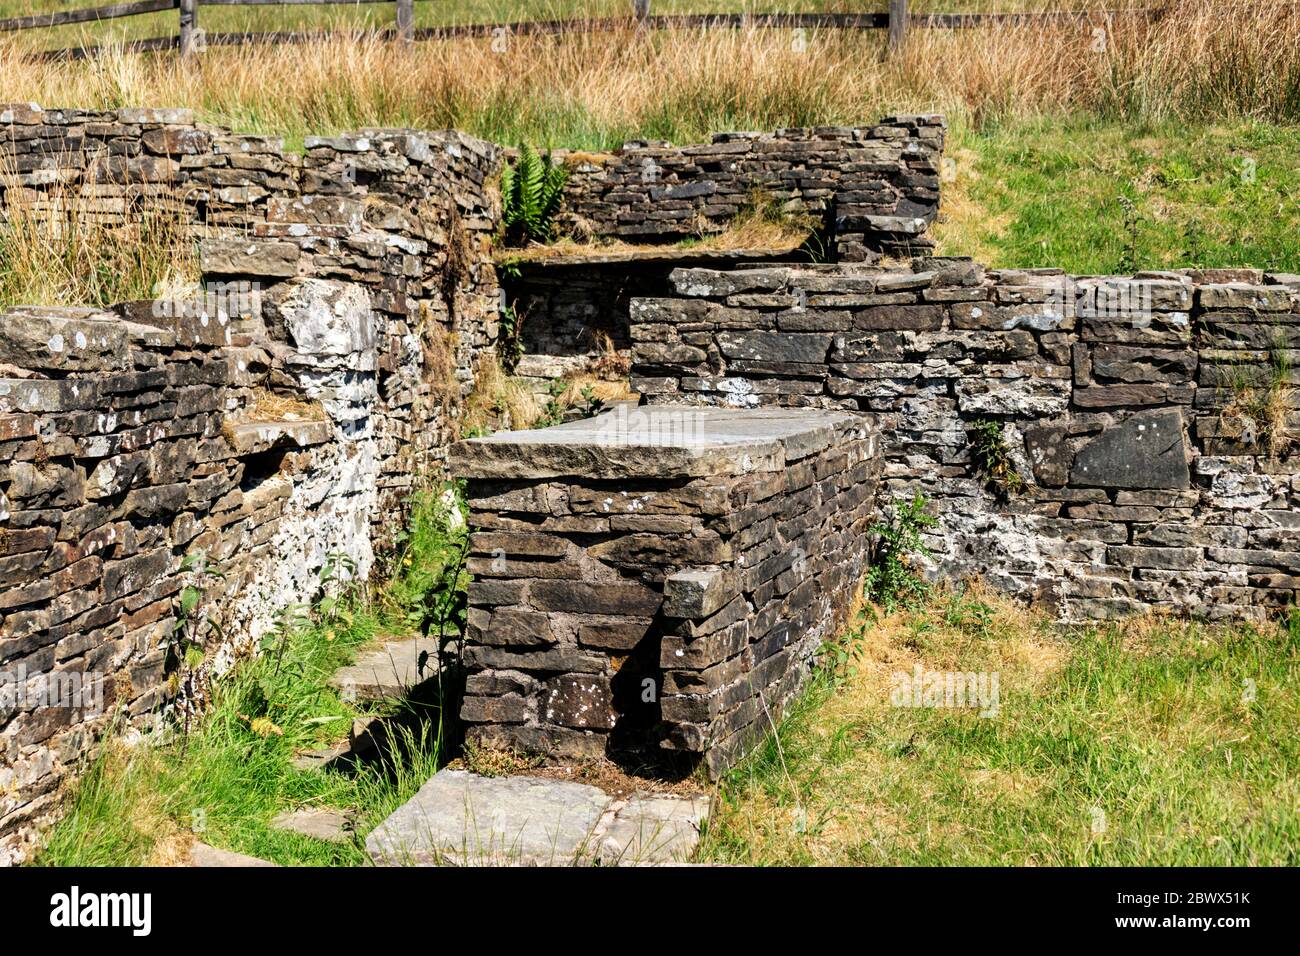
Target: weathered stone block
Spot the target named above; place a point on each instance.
(1144, 451)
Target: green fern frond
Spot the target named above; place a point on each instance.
(531, 191)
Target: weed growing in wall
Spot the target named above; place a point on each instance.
(428, 588)
(510, 343)
(892, 581)
(189, 685)
(992, 457)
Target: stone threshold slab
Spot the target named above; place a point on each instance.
(660, 441)
(462, 819)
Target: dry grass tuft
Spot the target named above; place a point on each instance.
(56, 250)
(440, 345)
(271, 407)
(498, 400)
(1265, 412)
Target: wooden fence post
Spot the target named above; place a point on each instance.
(189, 28)
(406, 21)
(897, 25)
(641, 9)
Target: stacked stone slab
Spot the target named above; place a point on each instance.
(571, 312)
(1138, 487)
(657, 579)
(876, 187)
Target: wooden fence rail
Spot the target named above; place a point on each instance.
(191, 40)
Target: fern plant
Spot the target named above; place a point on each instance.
(530, 195)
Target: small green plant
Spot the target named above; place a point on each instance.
(510, 343)
(964, 611)
(554, 409)
(891, 581)
(193, 623)
(847, 649)
(592, 405)
(992, 457)
(189, 683)
(429, 583)
(530, 194)
(1132, 219)
(338, 578)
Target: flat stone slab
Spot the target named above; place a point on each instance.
(320, 757)
(658, 440)
(203, 855)
(459, 818)
(653, 830)
(333, 826)
(675, 255)
(389, 671)
(1143, 451)
(249, 437)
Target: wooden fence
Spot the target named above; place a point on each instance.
(192, 40)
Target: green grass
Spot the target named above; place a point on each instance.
(226, 780)
(1152, 743)
(1047, 193)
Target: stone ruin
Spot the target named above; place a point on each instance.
(653, 582)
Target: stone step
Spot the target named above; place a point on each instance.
(462, 819)
(209, 856)
(365, 736)
(319, 823)
(388, 672)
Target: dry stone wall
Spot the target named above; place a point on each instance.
(876, 188)
(1106, 444)
(406, 214)
(658, 582)
(270, 416)
(1125, 470)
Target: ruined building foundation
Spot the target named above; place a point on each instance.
(653, 582)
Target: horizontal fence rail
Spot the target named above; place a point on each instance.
(38, 21)
(192, 40)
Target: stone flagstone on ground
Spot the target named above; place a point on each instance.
(319, 823)
(388, 671)
(460, 818)
(653, 828)
(209, 856)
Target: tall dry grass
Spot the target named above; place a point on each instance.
(57, 249)
(1206, 59)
